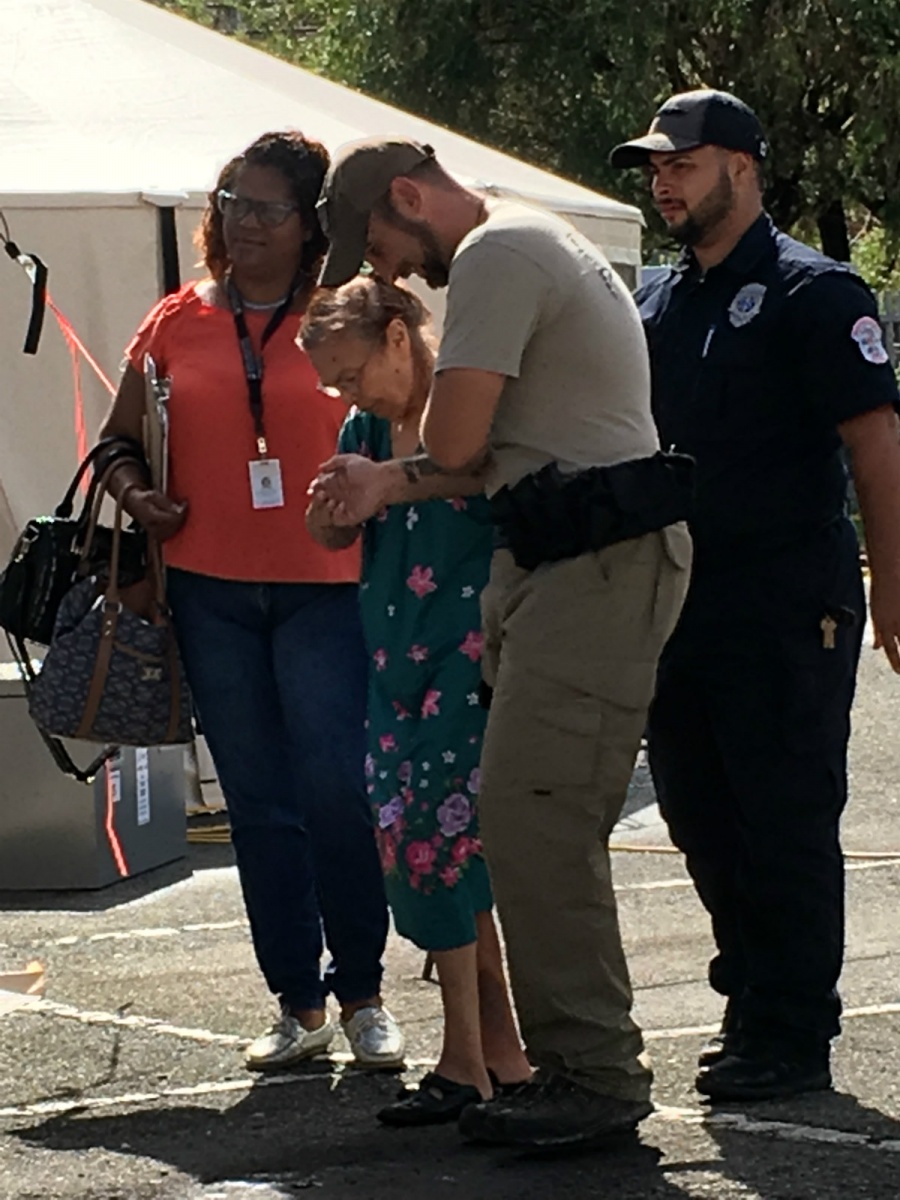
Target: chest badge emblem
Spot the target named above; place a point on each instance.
(746, 304)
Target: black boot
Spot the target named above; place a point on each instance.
(766, 1071)
(726, 1041)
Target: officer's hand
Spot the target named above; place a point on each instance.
(884, 604)
(354, 487)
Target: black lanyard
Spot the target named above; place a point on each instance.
(253, 363)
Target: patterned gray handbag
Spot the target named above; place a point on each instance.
(112, 674)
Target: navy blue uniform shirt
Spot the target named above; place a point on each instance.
(755, 364)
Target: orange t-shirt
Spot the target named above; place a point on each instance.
(212, 441)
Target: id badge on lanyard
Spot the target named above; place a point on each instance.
(266, 485)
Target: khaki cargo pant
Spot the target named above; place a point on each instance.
(571, 652)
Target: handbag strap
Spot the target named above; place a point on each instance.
(102, 482)
(104, 446)
(58, 751)
(110, 608)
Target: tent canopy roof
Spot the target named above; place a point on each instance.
(121, 97)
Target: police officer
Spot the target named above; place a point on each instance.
(767, 360)
(543, 376)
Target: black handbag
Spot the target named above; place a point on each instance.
(53, 552)
(112, 672)
(50, 556)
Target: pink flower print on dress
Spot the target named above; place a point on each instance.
(458, 503)
(404, 772)
(450, 876)
(409, 796)
(402, 713)
(463, 848)
(387, 743)
(474, 784)
(454, 814)
(417, 653)
(420, 858)
(421, 581)
(381, 515)
(473, 646)
(381, 659)
(387, 850)
(430, 706)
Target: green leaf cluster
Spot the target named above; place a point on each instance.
(559, 82)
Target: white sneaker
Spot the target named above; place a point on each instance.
(375, 1038)
(287, 1042)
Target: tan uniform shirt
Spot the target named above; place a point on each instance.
(530, 298)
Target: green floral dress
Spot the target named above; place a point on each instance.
(424, 566)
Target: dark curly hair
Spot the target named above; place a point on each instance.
(303, 163)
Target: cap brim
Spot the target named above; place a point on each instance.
(637, 153)
(347, 250)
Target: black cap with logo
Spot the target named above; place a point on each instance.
(691, 119)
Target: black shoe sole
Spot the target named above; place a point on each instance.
(478, 1129)
(715, 1090)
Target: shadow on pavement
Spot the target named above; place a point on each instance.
(197, 858)
(735, 1130)
(321, 1132)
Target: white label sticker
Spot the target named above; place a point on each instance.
(114, 781)
(142, 785)
(868, 336)
(265, 483)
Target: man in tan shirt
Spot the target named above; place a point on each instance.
(543, 380)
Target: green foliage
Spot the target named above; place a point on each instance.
(559, 82)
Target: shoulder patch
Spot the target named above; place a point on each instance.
(747, 304)
(868, 335)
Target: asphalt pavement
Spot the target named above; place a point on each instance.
(126, 1082)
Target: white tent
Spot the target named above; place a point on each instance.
(111, 110)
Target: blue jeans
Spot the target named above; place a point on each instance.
(279, 673)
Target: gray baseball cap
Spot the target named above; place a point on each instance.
(359, 175)
(691, 119)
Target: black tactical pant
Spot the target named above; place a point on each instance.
(748, 748)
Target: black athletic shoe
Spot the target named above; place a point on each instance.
(552, 1112)
(760, 1074)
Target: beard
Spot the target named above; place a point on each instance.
(708, 214)
(433, 269)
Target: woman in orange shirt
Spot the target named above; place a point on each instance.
(267, 620)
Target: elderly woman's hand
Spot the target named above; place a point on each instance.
(154, 511)
(353, 487)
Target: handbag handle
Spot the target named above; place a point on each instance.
(65, 506)
(99, 495)
(112, 596)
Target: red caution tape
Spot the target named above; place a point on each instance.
(78, 350)
(111, 835)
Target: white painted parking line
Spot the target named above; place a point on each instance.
(159, 933)
(783, 1130)
(155, 1025)
(217, 1087)
(653, 885)
(733, 1122)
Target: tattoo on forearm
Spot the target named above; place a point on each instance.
(419, 466)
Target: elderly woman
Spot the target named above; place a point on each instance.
(267, 621)
(426, 553)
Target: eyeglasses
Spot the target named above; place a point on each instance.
(270, 213)
(346, 386)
